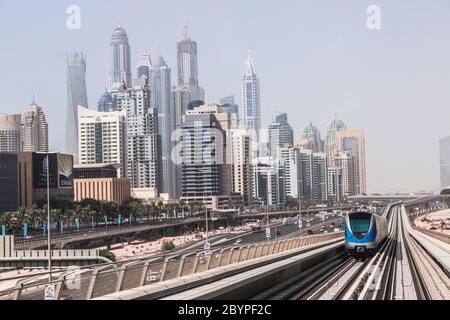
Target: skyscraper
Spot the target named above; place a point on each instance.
(330, 141)
(106, 103)
(120, 63)
(181, 99)
(206, 175)
(251, 103)
(444, 158)
(227, 105)
(241, 165)
(335, 183)
(76, 96)
(306, 175)
(143, 142)
(319, 177)
(144, 65)
(160, 83)
(281, 134)
(188, 67)
(34, 129)
(353, 142)
(312, 134)
(10, 132)
(291, 157)
(344, 161)
(268, 181)
(102, 138)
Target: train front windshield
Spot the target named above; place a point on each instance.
(360, 223)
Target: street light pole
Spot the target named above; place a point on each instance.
(48, 220)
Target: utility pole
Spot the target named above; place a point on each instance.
(48, 221)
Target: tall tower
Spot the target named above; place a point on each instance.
(281, 134)
(160, 87)
(335, 125)
(143, 141)
(120, 64)
(34, 131)
(251, 103)
(353, 143)
(144, 65)
(76, 95)
(188, 67)
(312, 134)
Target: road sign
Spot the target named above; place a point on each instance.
(207, 246)
(49, 292)
(284, 221)
(300, 223)
(268, 233)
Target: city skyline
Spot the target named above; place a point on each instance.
(375, 94)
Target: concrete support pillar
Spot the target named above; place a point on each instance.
(258, 251)
(120, 279)
(220, 257)
(197, 258)
(144, 273)
(181, 265)
(240, 253)
(164, 268)
(58, 288)
(254, 252)
(208, 266)
(91, 285)
(18, 292)
(231, 255)
(272, 248)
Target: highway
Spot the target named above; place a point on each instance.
(102, 232)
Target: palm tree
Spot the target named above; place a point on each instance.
(160, 206)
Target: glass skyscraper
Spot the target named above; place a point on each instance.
(251, 103)
(188, 67)
(144, 65)
(281, 134)
(335, 125)
(76, 95)
(160, 84)
(312, 134)
(120, 64)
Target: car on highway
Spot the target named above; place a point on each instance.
(278, 233)
(310, 232)
(238, 241)
(308, 224)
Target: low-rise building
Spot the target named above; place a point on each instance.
(100, 182)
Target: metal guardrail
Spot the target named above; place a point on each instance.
(93, 283)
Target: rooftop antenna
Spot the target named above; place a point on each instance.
(185, 30)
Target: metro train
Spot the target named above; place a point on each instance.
(364, 232)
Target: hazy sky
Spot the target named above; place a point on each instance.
(313, 58)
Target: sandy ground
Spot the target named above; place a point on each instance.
(435, 219)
